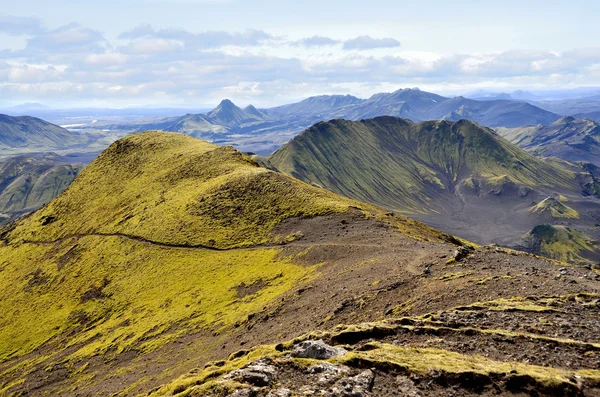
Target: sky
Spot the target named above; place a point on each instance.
(193, 53)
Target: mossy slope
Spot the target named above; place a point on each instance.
(174, 189)
(408, 166)
(553, 208)
(148, 243)
(561, 243)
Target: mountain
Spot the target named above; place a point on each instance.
(175, 266)
(227, 114)
(457, 176)
(315, 105)
(262, 131)
(27, 183)
(572, 107)
(34, 134)
(568, 139)
(561, 242)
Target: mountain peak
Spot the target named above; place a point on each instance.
(565, 120)
(226, 103)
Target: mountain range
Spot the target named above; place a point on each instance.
(457, 176)
(568, 139)
(262, 131)
(172, 266)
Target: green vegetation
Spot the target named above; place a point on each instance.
(151, 241)
(560, 243)
(27, 182)
(130, 293)
(424, 360)
(174, 189)
(410, 167)
(554, 208)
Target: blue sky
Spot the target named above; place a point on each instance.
(195, 52)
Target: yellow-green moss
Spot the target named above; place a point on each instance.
(424, 360)
(554, 208)
(175, 189)
(149, 290)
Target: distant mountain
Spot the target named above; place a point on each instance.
(29, 106)
(578, 107)
(568, 139)
(27, 183)
(31, 133)
(315, 105)
(262, 131)
(491, 96)
(229, 115)
(457, 176)
(591, 116)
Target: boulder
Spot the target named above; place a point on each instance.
(317, 349)
(259, 373)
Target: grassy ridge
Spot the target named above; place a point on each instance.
(406, 166)
(174, 189)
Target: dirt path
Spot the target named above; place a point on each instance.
(198, 246)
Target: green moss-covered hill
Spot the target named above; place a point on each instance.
(159, 237)
(562, 243)
(407, 166)
(27, 183)
(460, 177)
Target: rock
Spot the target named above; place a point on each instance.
(407, 387)
(317, 349)
(328, 373)
(283, 392)
(462, 252)
(259, 373)
(356, 386)
(243, 393)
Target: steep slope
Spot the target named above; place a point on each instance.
(168, 254)
(560, 242)
(404, 166)
(30, 133)
(457, 176)
(568, 138)
(27, 183)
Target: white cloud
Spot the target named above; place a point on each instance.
(75, 63)
(369, 43)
